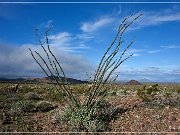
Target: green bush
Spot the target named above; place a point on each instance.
(81, 119)
(55, 95)
(23, 106)
(44, 106)
(32, 96)
(178, 90)
(112, 93)
(147, 94)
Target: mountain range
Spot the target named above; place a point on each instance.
(48, 79)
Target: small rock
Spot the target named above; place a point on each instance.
(173, 118)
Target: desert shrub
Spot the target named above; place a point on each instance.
(32, 96)
(44, 106)
(80, 119)
(77, 120)
(167, 94)
(55, 95)
(27, 106)
(22, 107)
(79, 88)
(178, 90)
(27, 88)
(16, 109)
(80, 115)
(112, 93)
(123, 91)
(147, 94)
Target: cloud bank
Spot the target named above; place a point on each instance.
(169, 73)
(17, 62)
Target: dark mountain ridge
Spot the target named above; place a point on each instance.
(48, 79)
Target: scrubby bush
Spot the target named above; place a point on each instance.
(80, 119)
(147, 94)
(87, 115)
(44, 106)
(112, 93)
(32, 95)
(55, 95)
(178, 90)
(23, 106)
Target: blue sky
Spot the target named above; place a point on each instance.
(82, 32)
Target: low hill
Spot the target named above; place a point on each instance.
(133, 82)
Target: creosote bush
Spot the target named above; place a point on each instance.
(32, 96)
(85, 115)
(44, 106)
(147, 94)
(22, 107)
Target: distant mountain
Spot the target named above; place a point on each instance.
(69, 80)
(145, 80)
(133, 82)
(49, 79)
(11, 80)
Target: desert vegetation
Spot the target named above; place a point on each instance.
(100, 105)
(42, 108)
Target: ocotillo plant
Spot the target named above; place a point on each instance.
(105, 73)
(109, 63)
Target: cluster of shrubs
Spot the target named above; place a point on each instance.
(147, 93)
(31, 103)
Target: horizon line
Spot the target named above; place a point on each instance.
(120, 80)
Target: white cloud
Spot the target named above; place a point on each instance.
(49, 24)
(70, 43)
(170, 47)
(154, 51)
(150, 18)
(135, 52)
(167, 73)
(160, 18)
(94, 26)
(61, 39)
(17, 62)
(84, 36)
(45, 25)
(176, 71)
